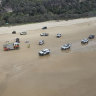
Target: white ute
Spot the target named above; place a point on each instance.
(65, 46)
(44, 52)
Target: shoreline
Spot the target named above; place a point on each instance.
(49, 24)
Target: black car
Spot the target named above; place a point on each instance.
(14, 32)
(44, 27)
(91, 37)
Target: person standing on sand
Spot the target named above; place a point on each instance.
(28, 45)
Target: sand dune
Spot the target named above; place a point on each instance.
(62, 73)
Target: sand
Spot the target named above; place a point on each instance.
(62, 73)
(34, 26)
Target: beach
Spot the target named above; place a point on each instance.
(62, 73)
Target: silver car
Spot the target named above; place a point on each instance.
(44, 34)
(41, 42)
(65, 46)
(84, 41)
(23, 33)
(58, 35)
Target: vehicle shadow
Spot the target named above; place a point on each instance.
(66, 51)
(84, 44)
(44, 56)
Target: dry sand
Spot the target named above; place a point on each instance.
(62, 73)
(35, 26)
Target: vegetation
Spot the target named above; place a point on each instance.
(27, 11)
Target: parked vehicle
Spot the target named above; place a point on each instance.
(44, 27)
(44, 34)
(65, 46)
(17, 40)
(58, 35)
(14, 32)
(44, 52)
(41, 42)
(23, 33)
(84, 41)
(91, 37)
(11, 46)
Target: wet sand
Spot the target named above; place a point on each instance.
(62, 73)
